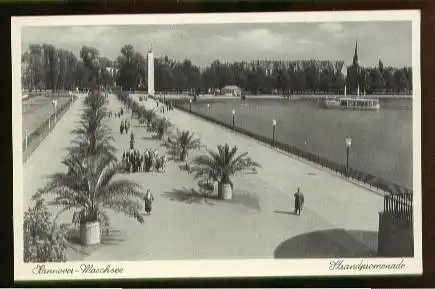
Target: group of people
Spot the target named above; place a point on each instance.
(133, 161)
(124, 127)
(109, 114)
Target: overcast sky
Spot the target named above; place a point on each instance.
(388, 41)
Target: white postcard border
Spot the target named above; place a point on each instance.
(214, 268)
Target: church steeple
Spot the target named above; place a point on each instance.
(355, 55)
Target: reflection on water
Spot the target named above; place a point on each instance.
(381, 140)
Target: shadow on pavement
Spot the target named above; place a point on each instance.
(335, 243)
(153, 137)
(188, 196)
(246, 199)
(77, 252)
(194, 196)
(285, 212)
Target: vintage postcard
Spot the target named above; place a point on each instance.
(217, 145)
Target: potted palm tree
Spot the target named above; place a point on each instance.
(186, 141)
(161, 126)
(150, 116)
(220, 166)
(88, 190)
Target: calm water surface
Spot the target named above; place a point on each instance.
(381, 140)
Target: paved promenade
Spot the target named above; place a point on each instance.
(46, 159)
(258, 223)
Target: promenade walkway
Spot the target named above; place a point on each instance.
(47, 157)
(257, 223)
(340, 218)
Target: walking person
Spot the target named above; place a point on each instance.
(149, 198)
(299, 201)
(121, 128)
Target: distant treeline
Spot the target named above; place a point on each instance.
(47, 67)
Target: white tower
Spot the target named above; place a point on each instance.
(150, 72)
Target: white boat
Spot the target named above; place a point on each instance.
(353, 103)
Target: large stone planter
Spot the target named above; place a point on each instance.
(90, 233)
(225, 191)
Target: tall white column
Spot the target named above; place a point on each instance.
(150, 73)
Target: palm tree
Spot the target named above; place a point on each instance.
(88, 190)
(150, 116)
(161, 126)
(221, 166)
(186, 141)
(93, 137)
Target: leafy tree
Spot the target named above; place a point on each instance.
(43, 241)
(47, 67)
(91, 60)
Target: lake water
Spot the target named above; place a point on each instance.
(381, 140)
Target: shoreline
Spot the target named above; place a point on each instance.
(203, 98)
(366, 180)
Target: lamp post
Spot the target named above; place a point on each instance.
(348, 145)
(273, 132)
(190, 105)
(55, 111)
(234, 115)
(49, 121)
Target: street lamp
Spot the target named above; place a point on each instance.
(55, 110)
(273, 132)
(190, 105)
(348, 145)
(234, 115)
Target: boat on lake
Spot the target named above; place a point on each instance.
(353, 102)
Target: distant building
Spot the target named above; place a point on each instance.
(232, 90)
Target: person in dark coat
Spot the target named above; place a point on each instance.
(121, 127)
(148, 198)
(299, 201)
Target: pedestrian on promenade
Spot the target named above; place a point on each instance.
(149, 198)
(299, 201)
(121, 128)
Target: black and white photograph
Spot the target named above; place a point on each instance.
(217, 145)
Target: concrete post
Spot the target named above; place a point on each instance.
(27, 136)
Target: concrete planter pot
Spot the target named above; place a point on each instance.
(90, 233)
(225, 192)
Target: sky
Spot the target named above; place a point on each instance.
(203, 43)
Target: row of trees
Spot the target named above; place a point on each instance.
(216, 166)
(379, 79)
(87, 189)
(45, 67)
